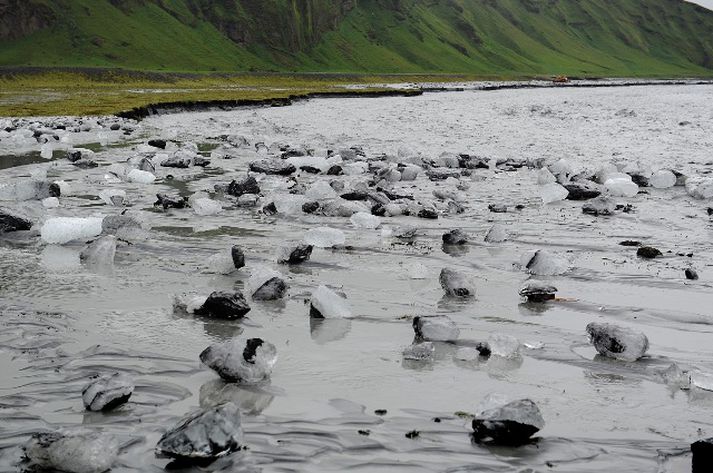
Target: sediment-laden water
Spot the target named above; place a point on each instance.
(63, 321)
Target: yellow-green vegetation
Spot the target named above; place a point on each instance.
(103, 92)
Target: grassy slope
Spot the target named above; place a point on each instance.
(484, 37)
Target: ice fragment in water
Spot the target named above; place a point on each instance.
(294, 255)
(204, 435)
(675, 376)
(290, 204)
(324, 237)
(100, 252)
(116, 197)
(504, 346)
(422, 351)
(617, 342)
(437, 328)
(189, 303)
(553, 193)
(456, 283)
(327, 304)
(544, 176)
(320, 190)
(496, 234)
(544, 263)
(702, 381)
(221, 263)
(512, 423)
(107, 392)
(241, 360)
(266, 284)
(700, 188)
(365, 220)
(62, 230)
(204, 206)
(467, 354)
(662, 179)
(72, 452)
(621, 187)
(50, 203)
(140, 177)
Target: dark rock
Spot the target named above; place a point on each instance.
(161, 144)
(498, 208)
(335, 170)
(246, 185)
(272, 166)
(225, 305)
(510, 164)
(582, 191)
(691, 274)
(238, 257)
(648, 252)
(512, 424)
(269, 209)
(536, 292)
(702, 455)
(428, 214)
(85, 163)
(441, 174)
(171, 201)
(273, 289)
(456, 284)
(380, 412)
(205, 435)
(178, 162)
(74, 155)
(10, 222)
(455, 237)
(297, 255)
(310, 207)
(413, 434)
(55, 190)
(201, 162)
(355, 195)
(710, 210)
(310, 169)
(115, 127)
(639, 180)
(467, 161)
(630, 243)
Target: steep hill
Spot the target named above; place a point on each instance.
(503, 37)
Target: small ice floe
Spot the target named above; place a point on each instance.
(229, 305)
(107, 392)
(662, 179)
(456, 283)
(204, 205)
(266, 285)
(72, 452)
(617, 342)
(544, 263)
(601, 206)
(511, 424)
(437, 328)
(621, 187)
(324, 237)
(700, 187)
(294, 255)
(553, 192)
(203, 436)
(100, 252)
(241, 360)
(538, 292)
(496, 234)
(365, 220)
(455, 237)
(61, 230)
(504, 346)
(115, 197)
(320, 190)
(140, 177)
(327, 304)
(421, 351)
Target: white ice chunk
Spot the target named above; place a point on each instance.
(62, 230)
(553, 193)
(365, 220)
(140, 177)
(320, 190)
(662, 179)
(621, 187)
(504, 346)
(330, 304)
(324, 237)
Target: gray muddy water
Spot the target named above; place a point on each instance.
(63, 322)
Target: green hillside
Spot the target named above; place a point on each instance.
(486, 37)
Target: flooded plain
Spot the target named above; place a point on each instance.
(63, 322)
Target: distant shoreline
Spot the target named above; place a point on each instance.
(30, 92)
